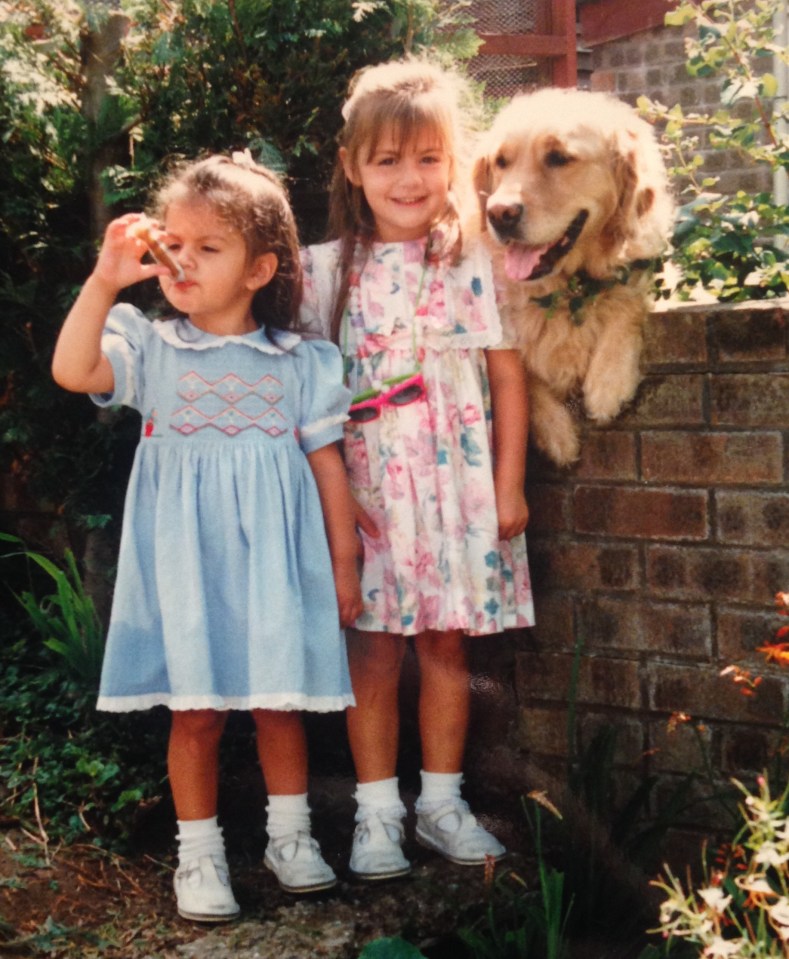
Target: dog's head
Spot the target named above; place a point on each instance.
(572, 180)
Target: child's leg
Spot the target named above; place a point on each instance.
(282, 750)
(373, 725)
(444, 822)
(292, 854)
(375, 661)
(202, 885)
(444, 697)
(193, 761)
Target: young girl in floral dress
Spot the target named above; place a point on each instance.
(435, 447)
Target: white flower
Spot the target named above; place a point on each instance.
(781, 827)
(667, 911)
(715, 899)
(779, 916)
(723, 948)
(757, 886)
(758, 808)
(769, 854)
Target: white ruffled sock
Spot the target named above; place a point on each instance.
(437, 790)
(287, 814)
(200, 837)
(383, 795)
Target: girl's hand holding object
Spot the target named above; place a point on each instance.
(143, 230)
(119, 262)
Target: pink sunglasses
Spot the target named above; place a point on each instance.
(403, 391)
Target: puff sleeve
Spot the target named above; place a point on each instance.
(324, 398)
(502, 334)
(319, 265)
(123, 343)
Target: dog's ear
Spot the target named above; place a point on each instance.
(481, 181)
(621, 223)
(644, 210)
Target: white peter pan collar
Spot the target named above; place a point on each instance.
(184, 335)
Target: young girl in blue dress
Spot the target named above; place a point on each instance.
(237, 563)
(435, 447)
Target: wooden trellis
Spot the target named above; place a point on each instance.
(526, 43)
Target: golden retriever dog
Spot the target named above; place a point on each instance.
(575, 203)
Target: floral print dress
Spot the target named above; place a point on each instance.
(424, 471)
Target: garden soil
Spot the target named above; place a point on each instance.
(82, 901)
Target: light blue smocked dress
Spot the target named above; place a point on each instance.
(225, 596)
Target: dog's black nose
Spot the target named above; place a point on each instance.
(505, 217)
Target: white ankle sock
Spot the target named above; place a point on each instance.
(383, 795)
(287, 814)
(199, 837)
(437, 789)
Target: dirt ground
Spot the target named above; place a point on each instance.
(81, 901)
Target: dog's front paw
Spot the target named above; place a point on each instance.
(551, 425)
(557, 437)
(603, 408)
(563, 450)
(604, 396)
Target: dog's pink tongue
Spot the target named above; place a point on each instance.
(519, 261)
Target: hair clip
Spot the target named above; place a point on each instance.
(243, 159)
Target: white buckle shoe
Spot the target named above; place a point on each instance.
(203, 893)
(376, 852)
(454, 832)
(297, 863)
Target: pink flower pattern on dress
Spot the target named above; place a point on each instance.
(424, 472)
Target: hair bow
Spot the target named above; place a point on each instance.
(243, 159)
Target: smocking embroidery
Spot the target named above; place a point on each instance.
(229, 404)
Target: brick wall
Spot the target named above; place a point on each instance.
(652, 63)
(660, 554)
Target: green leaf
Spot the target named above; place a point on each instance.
(679, 17)
(393, 948)
(768, 85)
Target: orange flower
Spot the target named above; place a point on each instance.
(743, 678)
(677, 719)
(775, 652)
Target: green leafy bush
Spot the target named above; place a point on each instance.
(67, 771)
(181, 78)
(70, 773)
(66, 619)
(733, 247)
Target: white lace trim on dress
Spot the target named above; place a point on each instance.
(183, 335)
(319, 425)
(279, 701)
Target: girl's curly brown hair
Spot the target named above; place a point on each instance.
(253, 200)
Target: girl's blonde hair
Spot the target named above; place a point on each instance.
(251, 199)
(406, 97)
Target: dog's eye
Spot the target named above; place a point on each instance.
(555, 158)
(501, 161)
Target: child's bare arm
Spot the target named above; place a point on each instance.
(510, 402)
(78, 363)
(339, 512)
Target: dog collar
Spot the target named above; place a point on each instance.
(582, 289)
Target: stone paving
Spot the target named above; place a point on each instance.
(425, 908)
